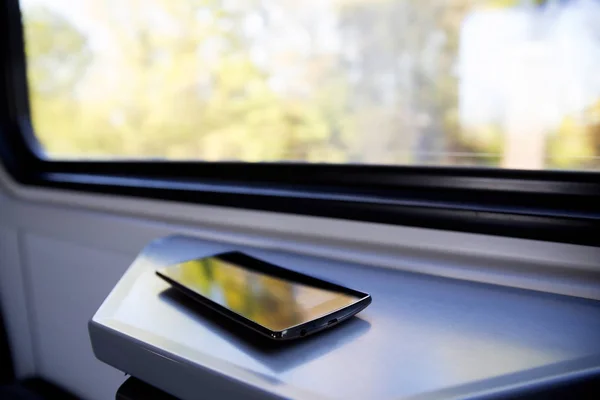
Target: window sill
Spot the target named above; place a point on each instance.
(422, 336)
(530, 264)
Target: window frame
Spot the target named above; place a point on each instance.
(560, 206)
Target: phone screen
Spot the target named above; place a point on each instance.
(270, 301)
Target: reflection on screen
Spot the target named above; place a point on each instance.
(272, 302)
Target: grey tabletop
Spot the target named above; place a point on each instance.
(422, 336)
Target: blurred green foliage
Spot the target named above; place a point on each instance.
(576, 143)
(179, 79)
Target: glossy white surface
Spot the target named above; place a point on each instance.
(421, 334)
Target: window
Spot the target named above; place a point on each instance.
(478, 116)
(494, 83)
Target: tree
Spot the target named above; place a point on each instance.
(179, 81)
(576, 142)
(405, 52)
(354, 81)
(57, 59)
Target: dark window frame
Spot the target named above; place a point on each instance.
(561, 206)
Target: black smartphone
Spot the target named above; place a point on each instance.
(274, 301)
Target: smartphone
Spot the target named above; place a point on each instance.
(276, 302)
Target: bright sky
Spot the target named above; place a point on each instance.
(545, 63)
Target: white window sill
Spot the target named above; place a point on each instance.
(529, 264)
(422, 336)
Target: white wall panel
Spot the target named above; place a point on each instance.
(13, 299)
(68, 283)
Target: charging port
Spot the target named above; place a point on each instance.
(333, 321)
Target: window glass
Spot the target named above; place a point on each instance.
(497, 83)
